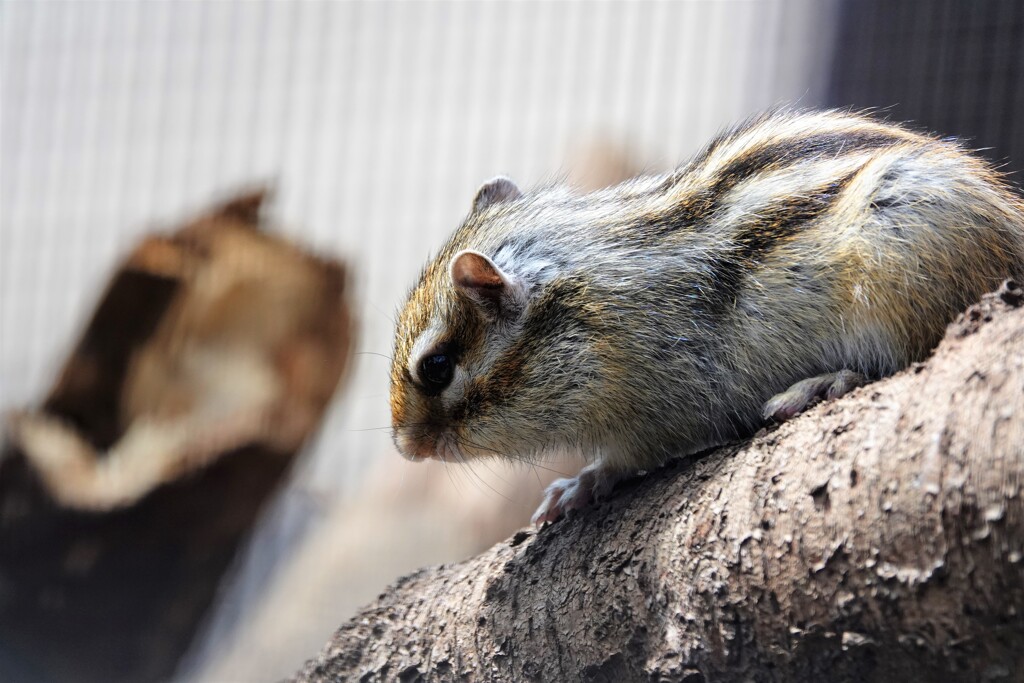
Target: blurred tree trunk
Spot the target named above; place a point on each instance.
(116, 591)
(879, 537)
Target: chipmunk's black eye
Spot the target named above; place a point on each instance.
(436, 372)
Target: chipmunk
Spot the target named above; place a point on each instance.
(212, 338)
(796, 257)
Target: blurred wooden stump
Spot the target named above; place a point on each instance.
(122, 500)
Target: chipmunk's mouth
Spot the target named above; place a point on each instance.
(443, 446)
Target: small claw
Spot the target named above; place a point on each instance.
(560, 497)
(593, 482)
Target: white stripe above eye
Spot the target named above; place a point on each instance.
(425, 343)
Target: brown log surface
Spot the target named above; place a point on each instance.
(878, 537)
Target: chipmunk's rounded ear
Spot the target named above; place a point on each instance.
(481, 280)
(495, 191)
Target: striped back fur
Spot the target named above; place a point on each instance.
(659, 315)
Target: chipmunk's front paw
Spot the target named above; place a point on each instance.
(593, 482)
(560, 497)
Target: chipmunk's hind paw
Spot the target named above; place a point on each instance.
(806, 393)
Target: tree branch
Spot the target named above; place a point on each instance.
(877, 537)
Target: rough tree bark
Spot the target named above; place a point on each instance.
(878, 537)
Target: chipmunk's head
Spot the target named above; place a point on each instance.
(470, 374)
